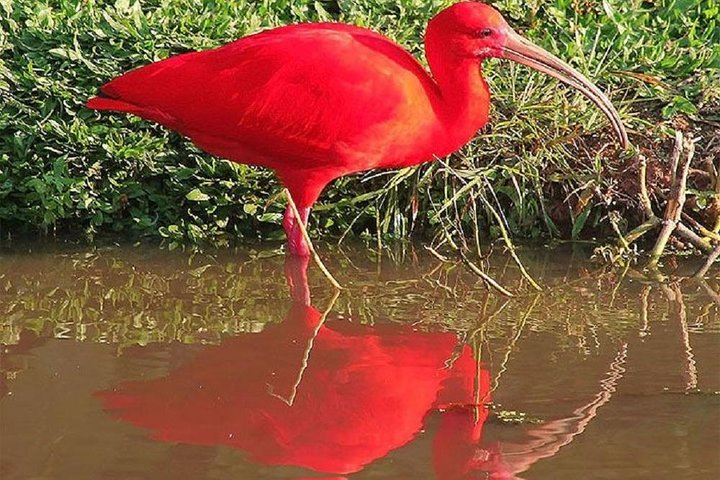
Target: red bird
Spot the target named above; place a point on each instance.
(318, 101)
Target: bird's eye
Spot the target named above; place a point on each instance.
(483, 33)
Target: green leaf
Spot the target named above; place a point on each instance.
(580, 222)
(271, 217)
(7, 6)
(59, 52)
(197, 196)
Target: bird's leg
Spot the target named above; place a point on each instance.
(296, 241)
(296, 276)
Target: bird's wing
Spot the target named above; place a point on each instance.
(298, 92)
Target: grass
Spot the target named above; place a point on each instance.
(539, 170)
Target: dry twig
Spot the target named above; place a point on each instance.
(676, 202)
(702, 271)
(673, 220)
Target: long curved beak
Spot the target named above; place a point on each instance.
(523, 51)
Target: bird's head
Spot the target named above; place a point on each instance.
(475, 31)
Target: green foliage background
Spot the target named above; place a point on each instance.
(64, 168)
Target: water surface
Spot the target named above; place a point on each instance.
(136, 362)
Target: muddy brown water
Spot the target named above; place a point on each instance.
(140, 363)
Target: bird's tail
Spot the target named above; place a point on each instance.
(117, 105)
(105, 103)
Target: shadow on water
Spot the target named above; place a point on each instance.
(139, 363)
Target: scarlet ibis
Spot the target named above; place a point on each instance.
(318, 101)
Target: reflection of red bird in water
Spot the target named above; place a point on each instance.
(331, 398)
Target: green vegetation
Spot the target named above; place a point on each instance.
(544, 167)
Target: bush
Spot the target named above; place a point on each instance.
(64, 168)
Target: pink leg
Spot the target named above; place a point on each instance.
(296, 276)
(296, 242)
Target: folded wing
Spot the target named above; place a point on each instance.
(298, 94)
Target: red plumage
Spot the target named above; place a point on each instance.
(318, 101)
(311, 101)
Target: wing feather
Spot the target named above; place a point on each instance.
(296, 94)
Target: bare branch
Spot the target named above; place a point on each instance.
(708, 263)
(676, 201)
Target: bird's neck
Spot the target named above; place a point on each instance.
(464, 96)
